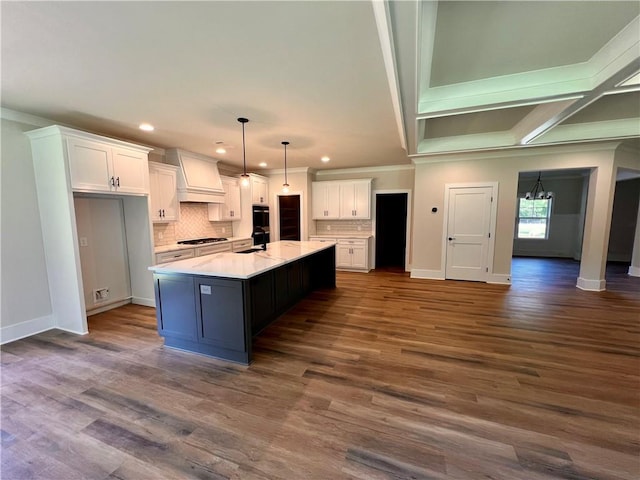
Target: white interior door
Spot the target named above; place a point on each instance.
(468, 230)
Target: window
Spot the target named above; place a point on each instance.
(533, 218)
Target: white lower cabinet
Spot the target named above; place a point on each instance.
(239, 245)
(215, 248)
(174, 255)
(351, 253)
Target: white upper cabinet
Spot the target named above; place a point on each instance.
(163, 193)
(325, 200)
(355, 199)
(341, 199)
(259, 190)
(230, 209)
(106, 166)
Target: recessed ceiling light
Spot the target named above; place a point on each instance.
(325, 159)
(220, 150)
(147, 127)
(263, 164)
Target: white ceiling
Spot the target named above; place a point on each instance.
(356, 81)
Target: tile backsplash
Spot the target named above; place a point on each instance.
(194, 223)
(328, 227)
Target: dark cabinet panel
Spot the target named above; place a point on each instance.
(295, 281)
(262, 301)
(221, 318)
(281, 287)
(176, 306)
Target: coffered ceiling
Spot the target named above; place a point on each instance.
(365, 83)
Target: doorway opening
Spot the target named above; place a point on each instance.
(289, 214)
(391, 230)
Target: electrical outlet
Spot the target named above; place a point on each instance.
(224, 230)
(359, 228)
(328, 227)
(100, 295)
(160, 235)
(84, 242)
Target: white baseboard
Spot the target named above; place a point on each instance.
(427, 274)
(591, 285)
(146, 302)
(20, 330)
(499, 278)
(634, 271)
(109, 306)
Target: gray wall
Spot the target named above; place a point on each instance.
(565, 226)
(25, 289)
(623, 220)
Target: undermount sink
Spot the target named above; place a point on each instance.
(251, 250)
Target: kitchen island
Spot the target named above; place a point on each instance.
(216, 304)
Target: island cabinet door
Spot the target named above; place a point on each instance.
(262, 301)
(220, 306)
(176, 306)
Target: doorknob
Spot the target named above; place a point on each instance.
(452, 238)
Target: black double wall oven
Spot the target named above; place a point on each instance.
(261, 233)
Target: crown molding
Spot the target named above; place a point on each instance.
(276, 171)
(516, 151)
(21, 117)
(384, 168)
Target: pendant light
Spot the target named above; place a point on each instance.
(285, 185)
(244, 178)
(537, 192)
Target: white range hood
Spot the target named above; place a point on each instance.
(198, 177)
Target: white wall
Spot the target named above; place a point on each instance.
(26, 306)
(103, 257)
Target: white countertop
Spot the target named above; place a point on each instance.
(243, 265)
(180, 246)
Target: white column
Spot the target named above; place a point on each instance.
(634, 268)
(596, 229)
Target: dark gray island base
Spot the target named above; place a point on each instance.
(219, 316)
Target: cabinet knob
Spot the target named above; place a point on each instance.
(113, 182)
(160, 212)
(163, 212)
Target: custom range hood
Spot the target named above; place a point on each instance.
(198, 177)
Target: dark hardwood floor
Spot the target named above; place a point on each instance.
(383, 377)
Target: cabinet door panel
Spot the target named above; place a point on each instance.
(262, 301)
(130, 171)
(177, 307)
(343, 255)
(358, 257)
(318, 201)
(362, 199)
(89, 165)
(155, 194)
(221, 313)
(233, 201)
(169, 195)
(333, 201)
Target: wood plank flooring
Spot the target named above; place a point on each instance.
(384, 377)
